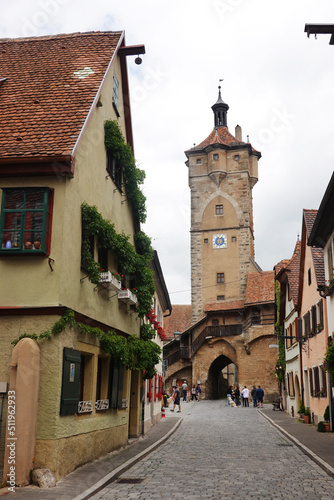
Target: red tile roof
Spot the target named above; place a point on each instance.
(50, 86)
(260, 288)
(293, 273)
(317, 253)
(224, 305)
(179, 321)
(221, 135)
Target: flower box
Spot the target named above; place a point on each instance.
(127, 296)
(107, 278)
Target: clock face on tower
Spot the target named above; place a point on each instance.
(219, 241)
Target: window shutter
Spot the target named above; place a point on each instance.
(120, 386)
(113, 383)
(321, 315)
(71, 382)
(314, 319)
(116, 375)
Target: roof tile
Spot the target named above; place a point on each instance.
(42, 101)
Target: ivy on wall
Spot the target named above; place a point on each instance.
(280, 363)
(131, 262)
(133, 353)
(132, 176)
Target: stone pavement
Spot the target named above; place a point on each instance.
(221, 452)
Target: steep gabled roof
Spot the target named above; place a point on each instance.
(178, 321)
(293, 273)
(317, 253)
(260, 288)
(51, 83)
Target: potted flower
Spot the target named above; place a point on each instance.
(326, 419)
(301, 409)
(307, 416)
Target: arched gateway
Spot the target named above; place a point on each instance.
(232, 299)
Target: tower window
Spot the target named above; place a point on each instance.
(219, 210)
(234, 238)
(206, 240)
(216, 156)
(220, 297)
(220, 278)
(198, 161)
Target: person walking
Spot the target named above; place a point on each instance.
(193, 393)
(198, 390)
(245, 396)
(253, 394)
(259, 396)
(176, 397)
(184, 390)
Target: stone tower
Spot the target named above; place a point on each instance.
(222, 172)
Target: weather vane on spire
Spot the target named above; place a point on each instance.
(220, 80)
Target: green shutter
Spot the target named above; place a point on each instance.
(120, 386)
(71, 382)
(116, 375)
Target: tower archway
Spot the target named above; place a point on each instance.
(222, 373)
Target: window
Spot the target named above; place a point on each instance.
(25, 220)
(307, 327)
(114, 169)
(70, 382)
(216, 156)
(206, 240)
(310, 381)
(219, 210)
(320, 316)
(220, 277)
(103, 258)
(115, 94)
(316, 381)
(220, 297)
(198, 161)
(234, 238)
(309, 276)
(323, 388)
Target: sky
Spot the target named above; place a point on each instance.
(278, 83)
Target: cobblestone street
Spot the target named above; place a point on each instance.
(221, 452)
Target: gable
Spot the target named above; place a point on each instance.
(51, 83)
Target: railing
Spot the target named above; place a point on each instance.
(215, 331)
(85, 406)
(259, 319)
(102, 404)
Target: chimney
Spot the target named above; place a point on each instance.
(238, 133)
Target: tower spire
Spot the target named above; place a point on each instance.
(220, 111)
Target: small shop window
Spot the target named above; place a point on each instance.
(25, 221)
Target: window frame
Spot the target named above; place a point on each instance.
(220, 278)
(220, 209)
(23, 212)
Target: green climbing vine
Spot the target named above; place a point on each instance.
(280, 363)
(134, 353)
(131, 262)
(132, 175)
